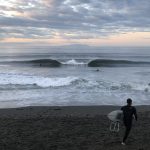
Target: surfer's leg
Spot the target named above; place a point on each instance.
(128, 128)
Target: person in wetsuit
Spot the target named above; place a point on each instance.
(128, 113)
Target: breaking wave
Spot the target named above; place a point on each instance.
(73, 62)
(48, 62)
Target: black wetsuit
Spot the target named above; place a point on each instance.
(128, 112)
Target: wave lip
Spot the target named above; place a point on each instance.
(116, 63)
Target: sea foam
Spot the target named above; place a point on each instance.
(73, 62)
(19, 79)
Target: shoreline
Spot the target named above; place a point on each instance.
(62, 111)
(69, 128)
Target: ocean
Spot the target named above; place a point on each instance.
(73, 79)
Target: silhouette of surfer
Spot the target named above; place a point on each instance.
(128, 112)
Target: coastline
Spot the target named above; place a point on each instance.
(69, 128)
(63, 111)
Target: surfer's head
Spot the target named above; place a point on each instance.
(129, 101)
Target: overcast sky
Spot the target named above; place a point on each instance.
(87, 22)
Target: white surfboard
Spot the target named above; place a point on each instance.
(116, 116)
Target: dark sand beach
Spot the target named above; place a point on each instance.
(69, 128)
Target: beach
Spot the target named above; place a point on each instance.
(69, 128)
(66, 69)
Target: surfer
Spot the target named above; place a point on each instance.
(128, 112)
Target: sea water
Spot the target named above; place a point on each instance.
(73, 83)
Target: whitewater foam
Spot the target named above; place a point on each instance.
(13, 80)
(73, 62)
(17, 79)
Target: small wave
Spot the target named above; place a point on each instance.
(73, 62)
(116, 63)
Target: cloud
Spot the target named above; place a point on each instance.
(72, 19)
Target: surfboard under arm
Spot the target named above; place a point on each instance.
(116, 116)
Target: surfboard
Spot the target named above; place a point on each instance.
(116, 116)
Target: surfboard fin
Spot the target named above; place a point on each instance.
(114, 126)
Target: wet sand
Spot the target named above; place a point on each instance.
(69, 128)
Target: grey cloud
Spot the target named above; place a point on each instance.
(92, 18)
(35, 33)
